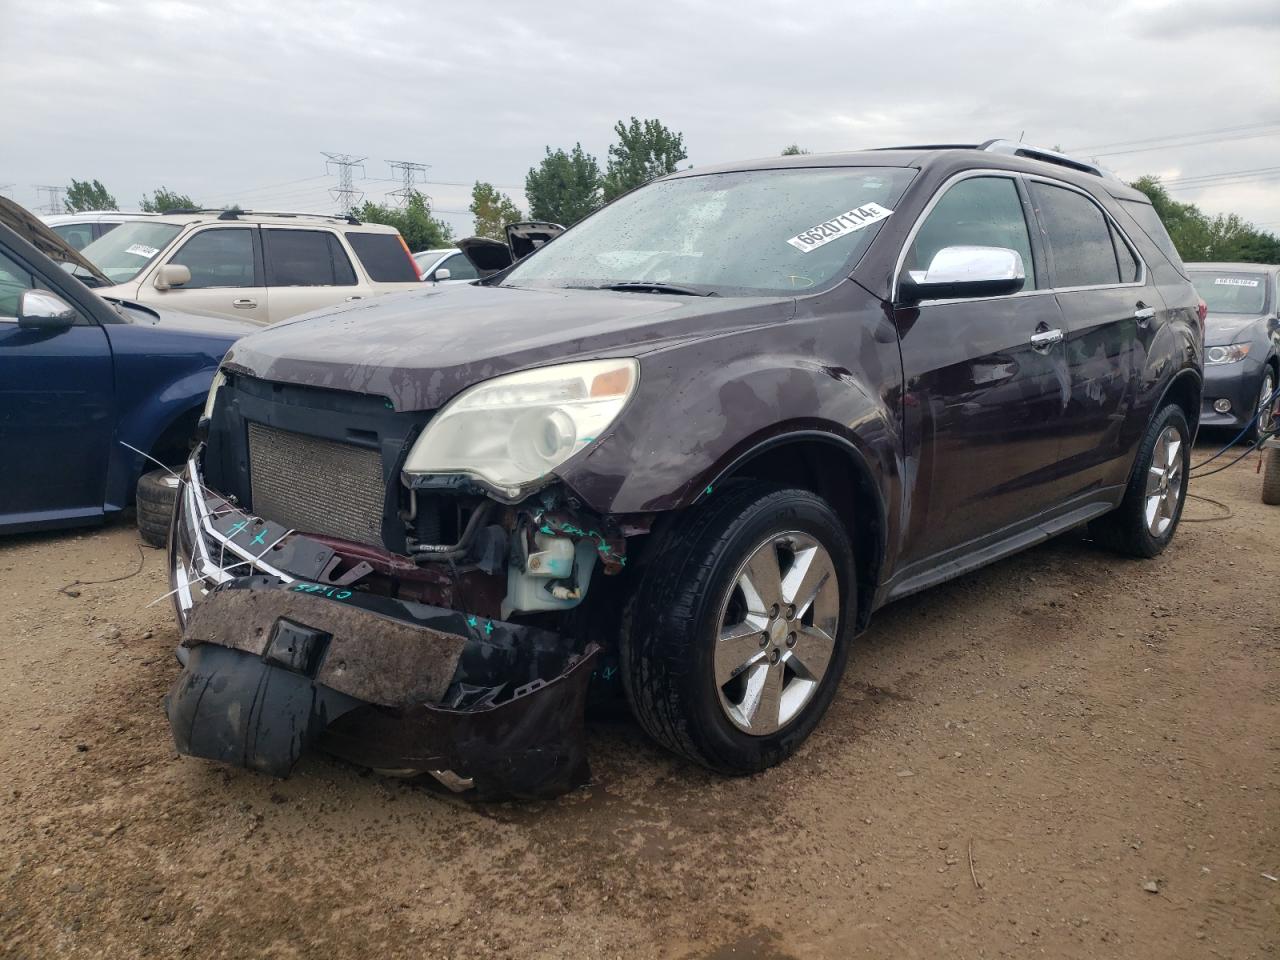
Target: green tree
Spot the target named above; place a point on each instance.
(564, 187)
(421, 231)
(164, 199)
(795, 150)
(492, 210)
(1197, 236)
(645, 149)
(85, 195)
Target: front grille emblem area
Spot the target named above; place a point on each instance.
(314, 485)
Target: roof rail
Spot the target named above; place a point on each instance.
(1012, 149)
(235, 213)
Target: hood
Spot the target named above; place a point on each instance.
(419, 349)
(1221, 329)
(489, 256)
(31, 229)
(208, 326)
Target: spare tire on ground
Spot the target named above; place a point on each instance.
(157, 492)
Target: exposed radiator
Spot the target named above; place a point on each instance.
(314, 485)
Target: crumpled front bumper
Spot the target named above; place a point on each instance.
(276, 660)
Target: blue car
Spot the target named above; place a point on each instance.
(83, 380)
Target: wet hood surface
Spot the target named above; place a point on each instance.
(420, 348)
(1225, 328)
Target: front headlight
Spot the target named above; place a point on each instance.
(512, 431)
(219, 380)
(1232, 354)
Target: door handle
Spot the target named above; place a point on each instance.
(357, 297)
(1143, 313)
(244, 303)
(1044, 339)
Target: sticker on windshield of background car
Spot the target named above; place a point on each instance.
(1235, 282)
(141, 250)
(837, 227)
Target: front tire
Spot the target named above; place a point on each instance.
(740, 626)
(1147, 518)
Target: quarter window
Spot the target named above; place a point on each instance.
(14, 282)
(1130, 270)
(976, 212)
(1079, 238)
(221, 257)
(306, 258)
(77, 235)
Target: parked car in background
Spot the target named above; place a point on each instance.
(81, 377)
(81, 229)
(490, 256)
(1242, 343)
(692, 443)
(448, 265)
(262, 267)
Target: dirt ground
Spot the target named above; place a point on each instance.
(1063, 755)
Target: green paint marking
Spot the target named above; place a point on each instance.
(708, 490)
(471, 621)
(488, 627)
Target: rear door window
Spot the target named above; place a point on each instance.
(976, 212)
(218, 257)
(384, 257)
(305, 258)
(1080, 248)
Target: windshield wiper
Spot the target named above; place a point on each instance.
(657, 286)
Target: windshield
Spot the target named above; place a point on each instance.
(759, 232)
(1231, 292)
(122, 253)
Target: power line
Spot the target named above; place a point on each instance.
(1188, 143)
(1225, 173)
(408, 171)
(232, 194)
(345, 193)
(54, 194)
(1175, 136)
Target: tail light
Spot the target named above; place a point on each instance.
(418, 273)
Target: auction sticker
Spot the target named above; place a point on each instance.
(142, 250)
(839, 226)
(1235, 282)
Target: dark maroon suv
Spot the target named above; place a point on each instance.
(685, 449)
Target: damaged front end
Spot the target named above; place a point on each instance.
(405, 662)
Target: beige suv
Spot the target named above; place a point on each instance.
(263, 267)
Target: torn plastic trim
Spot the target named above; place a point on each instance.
(272, 669)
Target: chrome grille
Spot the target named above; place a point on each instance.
(316, 486)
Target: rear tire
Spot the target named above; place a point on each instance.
(1147, 518)
(1271, 475)
(157, 493)
(692, 625)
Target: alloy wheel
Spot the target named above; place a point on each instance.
(1164, 482)
(778, 628)
(1265, 419)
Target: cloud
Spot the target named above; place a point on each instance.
(221, 101)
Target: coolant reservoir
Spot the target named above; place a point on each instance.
(548, 582)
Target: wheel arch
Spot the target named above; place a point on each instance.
(1184, 390)
(833, 468)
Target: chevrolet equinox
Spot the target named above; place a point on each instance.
(687, 449)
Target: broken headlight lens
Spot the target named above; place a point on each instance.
(513, 430)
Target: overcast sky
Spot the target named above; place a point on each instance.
(235, 102)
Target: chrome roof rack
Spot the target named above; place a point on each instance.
(235, 213)
(1012, 149)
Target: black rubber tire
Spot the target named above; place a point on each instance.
(666, 659)
(1124, 529)
(156, 495)
(1271, 475)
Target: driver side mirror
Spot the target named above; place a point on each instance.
(42, 310)
(957, 272)
(442, 273)
(172, 275)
